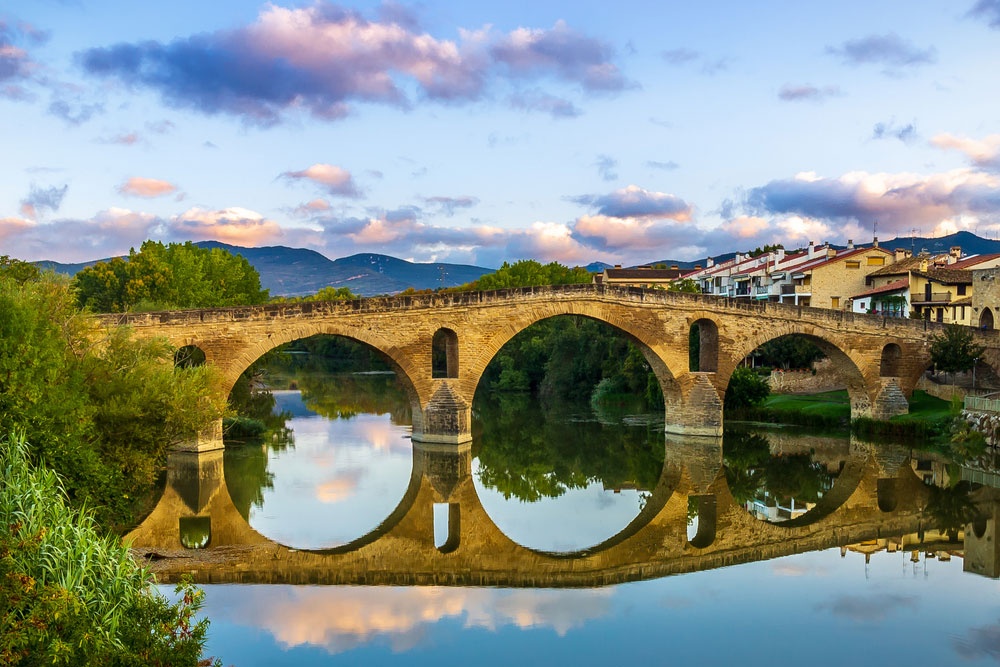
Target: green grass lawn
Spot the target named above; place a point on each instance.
(837, 405)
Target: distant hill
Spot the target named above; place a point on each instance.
(298, 272)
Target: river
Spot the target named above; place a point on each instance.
(570, 536)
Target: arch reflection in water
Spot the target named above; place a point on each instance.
(561, 483)
(340, 479)
(403, 549)
(780, 478)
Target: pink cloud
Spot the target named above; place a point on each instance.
(146, 187)
(238, 226)
(335, 180)
(983, 153)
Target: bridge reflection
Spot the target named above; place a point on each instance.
(879, 493)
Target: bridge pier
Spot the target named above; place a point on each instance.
(693, 408)
(446, 419)
(207, 440)
(889, 400)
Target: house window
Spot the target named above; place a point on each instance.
(961, 290)
(876, 261)
(835, 302)
(853, 265)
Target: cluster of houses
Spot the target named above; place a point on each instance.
(949, 287)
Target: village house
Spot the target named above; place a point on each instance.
(937, 287)
(641, 276)
(820, 276)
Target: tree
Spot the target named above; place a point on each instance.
(178, 275)
(954, 350)
(97, 406)
(529, 273)
(746, 389)
(687, 285)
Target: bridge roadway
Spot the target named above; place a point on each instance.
(880, 359)
(877, 494)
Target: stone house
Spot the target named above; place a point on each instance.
(936, 289)
(642, 276)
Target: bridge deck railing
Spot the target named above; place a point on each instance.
(445, 299)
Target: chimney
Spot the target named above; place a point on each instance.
(618, 266)
(850, 244)
(956, 252)
(874, 241)
(831, 252)
(779, 255)
(697, 267)
(812, 250)
(673, 267)
(709, 263)
(739, 257)
(901, 254)
(923, 264)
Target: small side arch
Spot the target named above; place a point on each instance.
(891, 362)
(703, 346)
(986, 319)
(444, 354)
(189, 356)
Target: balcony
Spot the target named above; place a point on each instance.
(936, 297)
(788, 289)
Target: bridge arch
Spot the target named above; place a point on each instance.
(403, 365)
(855, 376)
(634, 329)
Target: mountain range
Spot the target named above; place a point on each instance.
(299, 272)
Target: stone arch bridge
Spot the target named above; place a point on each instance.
(880, 359)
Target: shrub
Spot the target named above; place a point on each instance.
(71, 596)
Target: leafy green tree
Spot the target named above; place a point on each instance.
(98, 407)
(18, 271)
(530, 273)
(746, 389)
(331, 293)
(955, 350)
(686, 285)
(162, 276)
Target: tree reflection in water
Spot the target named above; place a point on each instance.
(528, 452)
(774, 487)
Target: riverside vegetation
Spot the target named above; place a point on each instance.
(86, 417)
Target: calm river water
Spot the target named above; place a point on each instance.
(570, 537)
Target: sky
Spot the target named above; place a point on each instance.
(478, 133)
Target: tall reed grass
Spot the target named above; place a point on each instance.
(71, 595)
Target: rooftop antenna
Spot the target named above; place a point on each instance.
(913, 233)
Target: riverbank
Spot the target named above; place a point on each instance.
(929, 417)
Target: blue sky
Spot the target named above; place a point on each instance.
(622, 132)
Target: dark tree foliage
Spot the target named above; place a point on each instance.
(788, 352)
(567, 357)
(178, 275)
(954, 350)
(97, 406)
(746, 389)
(529, 273)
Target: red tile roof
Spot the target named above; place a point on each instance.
(891, 287)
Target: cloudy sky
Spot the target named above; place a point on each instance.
(623, 131)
